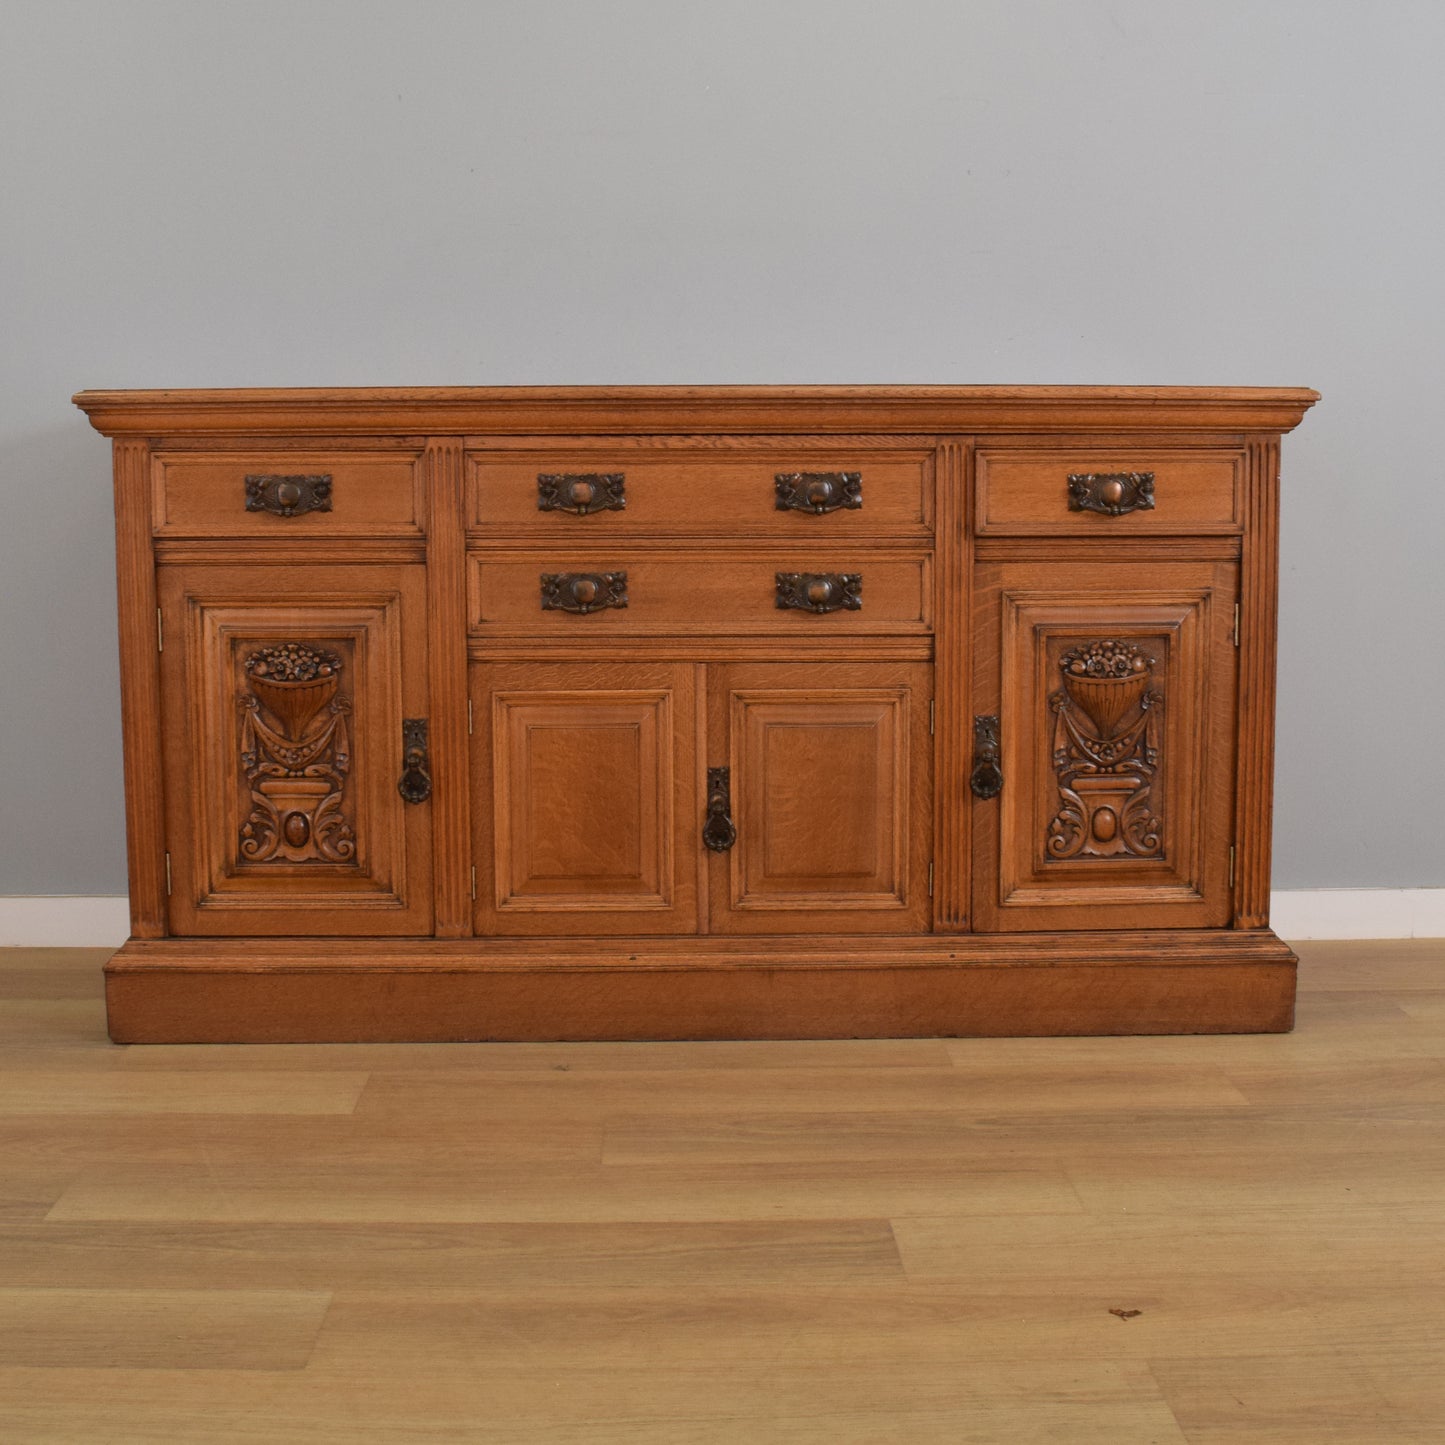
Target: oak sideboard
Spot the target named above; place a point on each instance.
(697, 712)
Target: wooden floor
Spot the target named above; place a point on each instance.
(1076, 1240)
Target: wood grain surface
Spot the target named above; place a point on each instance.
(836, 1242)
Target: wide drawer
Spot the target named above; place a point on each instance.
(1107, 493)
(269, 493)
(695, 592)
(621, 490)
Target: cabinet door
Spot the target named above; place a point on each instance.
(288, 696)
(583, 772)
(1106, 693)
(829, 782)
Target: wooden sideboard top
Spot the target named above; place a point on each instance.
(603, 410)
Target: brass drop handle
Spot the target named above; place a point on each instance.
(581, 493)
(819, 591)
(718, 832)
(414, 785)
(1112, 494)
(288, 496)
(583, 592)
(986, 779)
(818, 492)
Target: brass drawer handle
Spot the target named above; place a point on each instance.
(820, 591)
(718, 831)
(415, 782)
(583, 592)
(818, 492)
(986, 779)
(288, 496)
(581, 492)
(1111, 493)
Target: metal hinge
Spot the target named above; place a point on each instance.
(930, 880)
(160, 633)
(469, 729)
(168, 875)
(1236, 624)
(1231, 865)
(930, 717)
(474, 882)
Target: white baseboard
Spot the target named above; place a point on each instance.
(1294, 914)
(1358, 913)
(64, 922)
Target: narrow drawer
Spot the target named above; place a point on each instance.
(1106, 494)
(569, 494)
(689, 592)
(287, 494)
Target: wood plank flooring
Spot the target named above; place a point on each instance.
(1206, 1240)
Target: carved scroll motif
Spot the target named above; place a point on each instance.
(295, 755)
(1106, 754)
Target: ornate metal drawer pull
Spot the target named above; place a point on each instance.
(581, 492)
(583, 591)
(415, 782)
(288, 496)
(1112, 493)
(818, 491)
(718, 832)
(986, 779)
(820, 591)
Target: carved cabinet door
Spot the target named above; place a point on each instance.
(584, 784)
(294, 703)
(1103, 745)
(818, 816)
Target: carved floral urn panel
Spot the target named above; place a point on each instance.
(1106, 752)
(295, 754)
(288, 726)
(1106, 745)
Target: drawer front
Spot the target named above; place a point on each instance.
(287, 494)
(1105, 494)
(696, 592)
(573, 494)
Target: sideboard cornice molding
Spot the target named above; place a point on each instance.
(624, 410)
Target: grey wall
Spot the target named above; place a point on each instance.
(1142, 191)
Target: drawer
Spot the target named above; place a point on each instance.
(691, 592)
(287, 494)
(1105, 494)
(734, 491)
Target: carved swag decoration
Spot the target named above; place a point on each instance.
(295, 755)
(1106, 753)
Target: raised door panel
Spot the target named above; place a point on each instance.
(829, 781)
(583, 772)
(291, 697)
(1105, 703)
